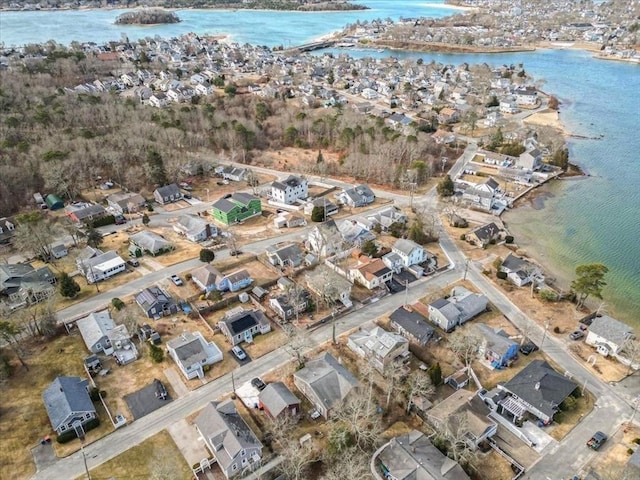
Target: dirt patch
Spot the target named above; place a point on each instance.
(493, 466)
(175, 206)
(614, 455)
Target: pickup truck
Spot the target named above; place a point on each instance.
(597, 440)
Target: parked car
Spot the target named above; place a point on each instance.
(577, 335)
(176, 280)
(120, 220)
(235, 253)
(597, 440)
(528, 348)
(133, 262)
(258, 383)
(239, 352)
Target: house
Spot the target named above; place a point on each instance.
(632, 468)
(167, 194)
(526, 96)
(126, 202)
(285, 256)
(495, 347)
(122, 347)
(289, 191)
(84, 212)
(101, 266)
(460, 307)
(464, 415)
(371, 274)
(448, 115)
(155, 303)
(288, 306)
(59, 250)
(484, 235)
(325, 382)
(410, 252)
(357, 196)
(443, 137)
(234, 174)
(328, 206)
(194, 228)
(237, 208)
(159, 100)
(608, 335)
(276, 399)
(537, 389)
(482, 195)
(325, 239)
(206, 277)
(240, 325)
(192, 353)
(387, 217)
(234, 281)
(235, 447)
(413, 456)
(378, 346)
(354, 234)
(530, 160)
(94, 329)
(68, 403)
(150, 242)
(21, 284)
(411, 325)
(289, 220)
(519, 271)
(329, 286)
(8, 228)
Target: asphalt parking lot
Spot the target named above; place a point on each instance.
(145, 401)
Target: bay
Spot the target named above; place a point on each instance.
(596, 219)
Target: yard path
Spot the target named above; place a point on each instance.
(173, 376)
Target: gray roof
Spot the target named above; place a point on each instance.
(207, 275)
(152, 295)
(486, 232)
(329, 380)
(412, 456)
(276, 397)
(496, 341)
(188, 348)
(405, 246)
(221, 425)
(16, 276)
(613, 330)
(168, 190)
(65, 396)
(149, 241)
(243, 198)
(514, 263)
(89, 263)
(238, 276)
(449, 310)
(541, 386)
(414, 323)
(223, 205)
(95, 326)
(292, 181)
(291, 253)
(378, 341)
(86, 211)
(191, 224)
(125, 198)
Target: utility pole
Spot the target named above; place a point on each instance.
(466, 267)
(544, 334)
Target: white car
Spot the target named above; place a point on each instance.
(176, 280)
(239, 352)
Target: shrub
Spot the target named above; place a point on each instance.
(556, 329)
(102, 221)
(94, 394)
(463, 237)
(117, 303)
(206, 368)
(207, 256)
(508, 239)
(156, 353)
(629, 451)
(501, 275)
(188, 277)
(548, 296)
(497, 263)
(636, 441)
(568, 404)
(435, 374)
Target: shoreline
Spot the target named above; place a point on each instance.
(242, 7)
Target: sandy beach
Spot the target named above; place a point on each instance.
(547, 118)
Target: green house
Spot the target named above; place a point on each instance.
(236, 208)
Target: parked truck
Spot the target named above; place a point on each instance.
(597, 440)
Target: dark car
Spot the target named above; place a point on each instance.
(577, 335)
(235, 253)
(528, 348)
(120, 220)
(258, 383)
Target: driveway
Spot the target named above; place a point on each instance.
(186, 438)
(44, 456)
(145, 401)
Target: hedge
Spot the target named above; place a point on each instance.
(102, 221)
(71, 434)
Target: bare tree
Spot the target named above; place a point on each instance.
(358, 417)
(296, 458)
(297, 342)
(454, 431)
(351, 463)
(128, 317)
(393, 374)
(465, 345)
(418, 385)
(631, 350)
(11, 334)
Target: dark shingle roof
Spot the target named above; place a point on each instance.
(64, 396)
(276, 397)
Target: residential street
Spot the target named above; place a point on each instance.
(613, 405)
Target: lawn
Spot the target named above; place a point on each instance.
(157, 456)
(23, 419)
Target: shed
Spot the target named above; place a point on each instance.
(54, 202)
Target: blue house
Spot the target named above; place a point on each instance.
(495, 346)
(235, 281)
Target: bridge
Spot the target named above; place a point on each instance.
(307, 47)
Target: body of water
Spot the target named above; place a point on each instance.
(596, 219)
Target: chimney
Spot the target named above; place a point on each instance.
(208, 230)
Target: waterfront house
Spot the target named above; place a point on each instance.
(167, 194)
(519, 270)
(608, 335)
(483, 235)
(68, 403)
(236, 208)
(460, 307)
(530, 160)
(233, 444)
(325, 383)
(240, 325)
(495, 347)
(482, 195)
(412, 325)
(192, 353)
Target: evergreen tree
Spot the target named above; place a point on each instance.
(317, 214)
(69, 288)
(590, 281)
(145, 219)
(320, 158)
(445, 188)
(435, 373)
(94, 237)
(155, 166)
(369, 248)
(206, 255)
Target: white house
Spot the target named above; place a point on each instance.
(101, 266)
(460, 307)
(608, 335)
(378, 346)
(194, 228)
(410, 252)
(290, 190)
(192, 353)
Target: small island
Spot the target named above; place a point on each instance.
(147, 17)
